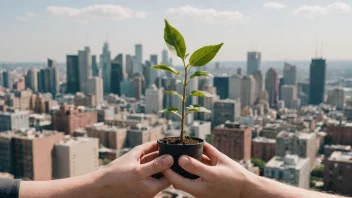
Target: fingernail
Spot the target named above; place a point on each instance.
(167, 160)
(183, 160)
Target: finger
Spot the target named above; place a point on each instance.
(205, 160)
(212, 153)
(196, 167)
(144, 149)
(191, 186)
(157, 185)
(149, 157)
(157, 165)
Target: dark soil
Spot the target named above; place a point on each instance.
(177, 140)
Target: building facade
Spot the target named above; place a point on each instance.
(317, 78)
(226, 110)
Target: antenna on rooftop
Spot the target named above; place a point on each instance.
(316, 47)
(321, 49)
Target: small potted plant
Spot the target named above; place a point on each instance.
(184, 145)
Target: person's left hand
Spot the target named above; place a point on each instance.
(130, 175)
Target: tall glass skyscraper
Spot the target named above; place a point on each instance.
(272, 87)
(253, 62)
(105, 63)
(317, 77)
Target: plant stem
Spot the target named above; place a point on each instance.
(183, 102)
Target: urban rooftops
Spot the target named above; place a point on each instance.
(341, 156)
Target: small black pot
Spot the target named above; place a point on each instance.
(176, 150)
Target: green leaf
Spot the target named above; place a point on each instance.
(174, 40)
(200, 93)
(186, 55)
(173, 110)
(204, 55)
(174, 93)
(201, 73)
(197, 108)
(166, 68)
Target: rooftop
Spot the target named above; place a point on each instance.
(339, 156)
(337, 146)
(300, 135)
(264, 140)
(287, 162)
(74, 141)
(337, 122)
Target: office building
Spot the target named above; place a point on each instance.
(68, 119)
(129, 66)
(222, 86)
(153, 100)
(259, 82)
(336, 97)
(248, 91)
(207, 102)
(200, 129)
(75, 156)
(339, 132)
(154, 59)
(253, 62)
(270, 130)
(32, 79)
(117, 74)
(263, 148)
(317, 80)
(23, 98)
(105, 64)
(127, 88)
(281, 84)
(239, 71)
(138, 63)
(95, 87)
(14, 120)
(137, 86)
(7, 78)
(226, 110)
(85, 69)
(337, 173)
(299, 143)
(109, 136)
(234, 140)
(95, 67)
(141, 134)
(290, 74)
(72, 74)
(289, 94)
(235, 87)
(290, 169)
(272, 87)
(81, 99)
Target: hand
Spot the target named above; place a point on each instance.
(219, 175)
(130, 175)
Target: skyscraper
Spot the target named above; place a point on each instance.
(226, 110)
(72, 73)
(48, 79)
(248, 91)
(7, 77)
(317, 81)
(85, 69)
(289, 93)
(95, 87)
(272, 87)
(165, 57)
(222, 86)
(290, 74)
(117, 74)
(253, 62)
(154, 59)
(235, 86)
(153, 99)
(281, 83)
(95, 68)
(129, 66)
(137, 84)
(139, 58)
(105, 62)
(32, 79)
(259, 81)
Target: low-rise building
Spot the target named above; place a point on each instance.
(109, 136)
(270, 130)
(14, 120)
(144, 133)
(200, 129)
(263, 148)
(329, 149)
(339, 132)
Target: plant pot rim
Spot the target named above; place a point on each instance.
(201, 142)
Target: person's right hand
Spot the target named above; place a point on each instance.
(219, 175)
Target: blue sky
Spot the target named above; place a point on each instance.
(281, 30)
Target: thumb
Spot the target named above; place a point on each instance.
(157, 165)
(196, 167)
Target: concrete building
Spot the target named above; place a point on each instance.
(75, 156)
(248, 91)
(289, 94)
(95, 87)
(235, 87)
(298, 143)
(290, 74)
(263, 148)
(234, 140)
(72, 73)
(139, 58)
(253, 62)
(105, 64)
(109, 136)
(339, 132)
(117, 74)
(289, 169)
(85, 69)
(127, 88)
(137, 86)
(154, 59)
(141, 134)
(272, 87)
(270, 130)
(336, 97)
(225, 110)
(200, 129)
(338, 174)
(32, 79)
(6, 157)
(317, 80)
(14, 120)
(222, 86)
(68, 119)
(48, 79)
(7, 78)
(24, 98)
(329, 149)
(259, 84)
(84, 100)
(207, 102)
(153, 99)
(129, 66)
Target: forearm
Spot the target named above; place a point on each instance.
(264, 187)
(82, 186)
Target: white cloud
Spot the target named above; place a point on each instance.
(26, 17)
(209, 16)
(114, 12)
(311, 11)
(274, 5)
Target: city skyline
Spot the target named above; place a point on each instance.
(280, 30)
